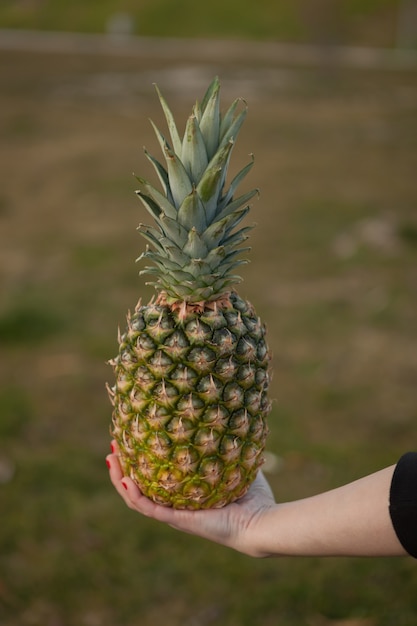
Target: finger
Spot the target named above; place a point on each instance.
(115, 469)
(125, 487)
(134, 496)
(144, 505)
(209, 524)
(116, 476)
(203, 523)
(114, 447)
(179, 519)
(128, 490)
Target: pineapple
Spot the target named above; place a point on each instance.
(190, 397)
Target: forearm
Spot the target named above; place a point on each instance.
(352, 520)
(357, 519)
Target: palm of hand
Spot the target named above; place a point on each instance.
(234, 525)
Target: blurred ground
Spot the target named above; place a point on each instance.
(333, 274)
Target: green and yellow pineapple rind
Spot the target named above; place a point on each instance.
(191, 402)
(192, 373)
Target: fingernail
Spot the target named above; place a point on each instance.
(112, 448)
(108, 463)
(124, 485)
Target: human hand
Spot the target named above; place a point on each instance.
(237, 525)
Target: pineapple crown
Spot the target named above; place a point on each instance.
(195, 240)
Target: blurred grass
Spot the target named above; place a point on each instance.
(369, 22)
(333, 275)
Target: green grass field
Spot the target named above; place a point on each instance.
(333, 274)
(365, 22)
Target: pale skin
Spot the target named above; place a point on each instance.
(352, 520)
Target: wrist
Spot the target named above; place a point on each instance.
(265, 529)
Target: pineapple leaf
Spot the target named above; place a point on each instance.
(238, 217)
(151, 206)
(218, 231)
(165, 269)
(194, 153)
(151, 235)
(210, 120)
(157, 285)
(237, 238)
(235, 183)
(149, 269)
(175, 138)
(224, 283)
(211, 184)
(181, 291)
(233, 130)
(200, 269)
(226, 267)
(173, 230)
(233, 206)
(230, 255)
(209, 189)
(195, 246)
(158, 199)
(227, 119)
(192, 212)
(179, 180)
(161, 139)
(214, 86)
(181, 277)
(197, 111)
(232, 278)
(162, 262)
(174, 253)
(215, 233)
(215, 257)
(162, 175)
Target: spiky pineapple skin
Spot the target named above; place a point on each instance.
(190, 401)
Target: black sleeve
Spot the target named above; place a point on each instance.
(403, 502)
